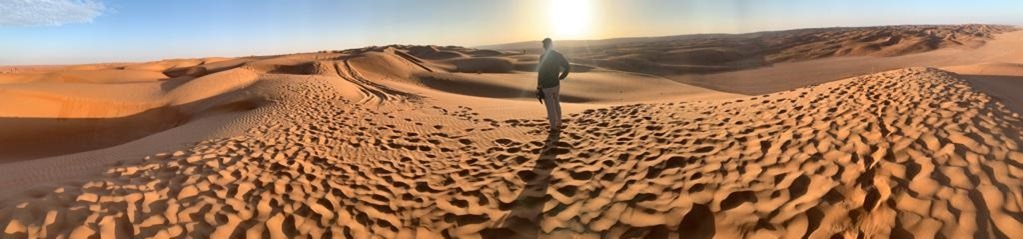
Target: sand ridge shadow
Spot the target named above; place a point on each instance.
(526, 212)
(1001, 87)
(23, 138)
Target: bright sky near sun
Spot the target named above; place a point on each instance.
(82, 31)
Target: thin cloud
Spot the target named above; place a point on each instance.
(20, 13)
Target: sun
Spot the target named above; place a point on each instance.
(571, 18)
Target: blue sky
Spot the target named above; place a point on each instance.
(82, 31)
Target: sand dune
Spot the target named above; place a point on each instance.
(448, 142)
(712, 53)
(46, 114)
(884, 154)
(47, 117)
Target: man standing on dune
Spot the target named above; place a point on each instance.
(549, 73)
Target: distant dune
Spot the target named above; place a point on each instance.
(711, 53)
(889, 132)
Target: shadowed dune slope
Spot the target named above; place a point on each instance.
(45, 118)
(1003, 81)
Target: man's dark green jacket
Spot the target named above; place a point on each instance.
(550, 69)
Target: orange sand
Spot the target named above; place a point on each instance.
(435, 142)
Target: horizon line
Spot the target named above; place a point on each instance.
(1018, 26)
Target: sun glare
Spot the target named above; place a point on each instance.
(571, 18)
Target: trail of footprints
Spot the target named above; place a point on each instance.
(907, 152)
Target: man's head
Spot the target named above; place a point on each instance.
(547, 43)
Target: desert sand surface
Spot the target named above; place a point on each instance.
(448, 142)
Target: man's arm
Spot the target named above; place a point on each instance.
(566, 66)
(539, 63)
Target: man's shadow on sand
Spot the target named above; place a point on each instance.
(526, 217)
(527, 210)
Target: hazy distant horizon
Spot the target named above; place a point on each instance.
(490, 44)
(98, 31)
(736, 33)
